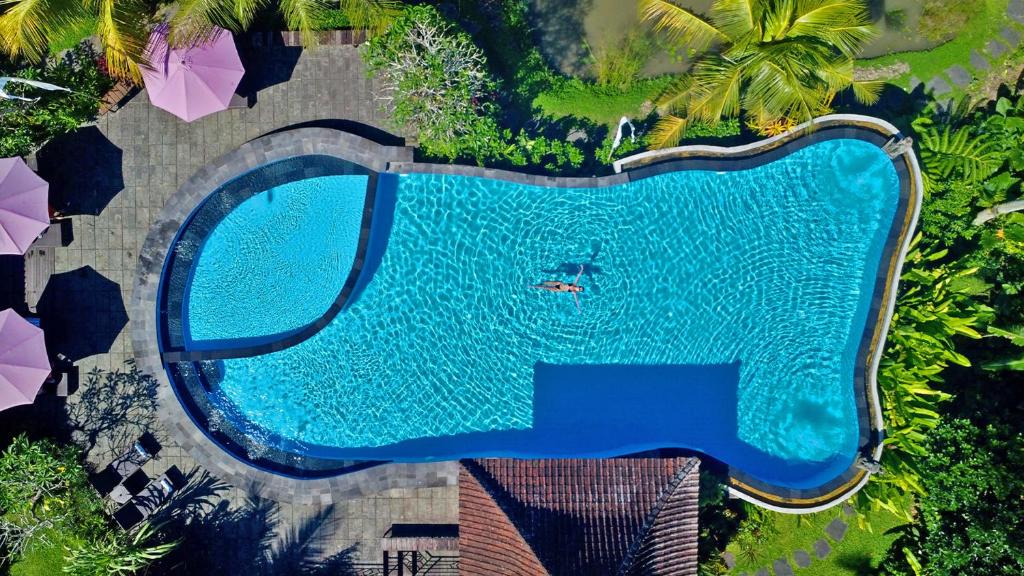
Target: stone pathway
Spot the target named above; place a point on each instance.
(822, 547)
(958, 77)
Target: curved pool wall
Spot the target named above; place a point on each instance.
(193, 370)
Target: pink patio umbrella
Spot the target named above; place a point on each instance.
(193, 81)
(23, 206)
(24, 365)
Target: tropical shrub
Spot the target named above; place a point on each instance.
(118, 553)
(781, 63)
(44, 490)
(619, 66)
(937, 304)
(25, 126)
(436, 81)
(969, 520)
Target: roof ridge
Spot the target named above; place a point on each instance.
(638, 542)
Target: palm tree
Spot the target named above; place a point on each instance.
(780, 61)
(27, 26)
(196, 18)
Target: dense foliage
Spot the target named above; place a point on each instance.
(437, 82)
(25, 126)
(781, 63)
(969, 519)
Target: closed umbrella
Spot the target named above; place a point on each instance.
(24, 364)
(192, 81)
(23, 206)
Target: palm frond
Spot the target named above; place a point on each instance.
(676, 96)
(844, 24)
(667, 132)
(27, 25)
(680, 23)
(716, 94)
(303, 15)
(371, 15)
(867, 91)
(196, 20)
(123, 34)
(736, 19)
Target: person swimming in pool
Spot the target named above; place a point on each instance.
(559, 286)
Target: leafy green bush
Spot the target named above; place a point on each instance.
(437, 82)
(969, 520)
(25, 126)
(44, 489)
(619, 66)
(333, 19)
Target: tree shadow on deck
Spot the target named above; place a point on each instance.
(249, 539)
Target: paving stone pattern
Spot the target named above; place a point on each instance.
(802, 558)
(821, 548)
(836, 530)
(116, 177)
(782, 568)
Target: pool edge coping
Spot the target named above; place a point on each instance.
(398, 160)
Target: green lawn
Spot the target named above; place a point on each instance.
(73, 33)
(926, 64)
(857, 554)
(585, 99)
(44, 559)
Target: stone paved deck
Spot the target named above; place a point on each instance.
(114, 178)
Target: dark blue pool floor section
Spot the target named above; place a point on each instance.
(594, 411)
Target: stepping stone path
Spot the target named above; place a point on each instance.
(762, 572)
(821, 548)
(729, 559)
(938, 86)
(836, 529)
(1011, 36)
(782, 568)
(848, 510)
(995, 49)
(959, 76)
(1016, 11)
(979, 62)
(802, 558)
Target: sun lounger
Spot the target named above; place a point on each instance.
(131, 487)
(142, 506)
(122, 467)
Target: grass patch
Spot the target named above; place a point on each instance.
(859, 553)
(603, 105)
(988, 18)
(44, 559)
(72, 34)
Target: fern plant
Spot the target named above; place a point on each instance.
(955, 153)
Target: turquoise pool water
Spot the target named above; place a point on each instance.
(277, 261)
(722, 312)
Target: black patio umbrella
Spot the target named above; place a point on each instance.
(84, 170)
(82, 313)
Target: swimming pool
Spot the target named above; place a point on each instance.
(724, 311)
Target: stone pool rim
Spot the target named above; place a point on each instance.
(353, 481)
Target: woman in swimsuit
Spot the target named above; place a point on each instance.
(559, 286)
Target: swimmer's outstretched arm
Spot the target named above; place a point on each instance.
(578, 276)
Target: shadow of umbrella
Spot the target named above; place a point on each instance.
(82, 313)
(84, 169)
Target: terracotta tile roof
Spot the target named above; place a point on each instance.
(635, 516)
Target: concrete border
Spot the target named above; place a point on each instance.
(399, 160)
